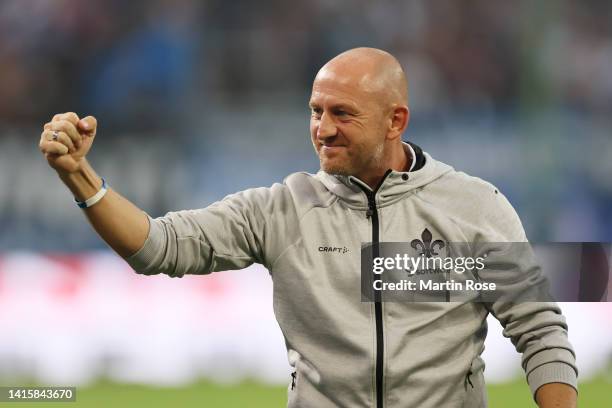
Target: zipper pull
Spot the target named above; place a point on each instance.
(469, 380)
(293, 377)
(371, 209)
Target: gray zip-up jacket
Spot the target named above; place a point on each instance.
(349, 353)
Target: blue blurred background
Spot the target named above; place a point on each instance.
(199, 99)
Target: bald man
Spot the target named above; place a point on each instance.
(359, 107)
(308, 231)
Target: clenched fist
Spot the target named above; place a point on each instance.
(66, 140)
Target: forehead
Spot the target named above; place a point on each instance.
(334, 89)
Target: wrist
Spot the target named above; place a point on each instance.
(83, 183)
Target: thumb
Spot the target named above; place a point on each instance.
(88, 124)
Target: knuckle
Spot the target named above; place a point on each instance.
(71, 117)
(66, 141)
(64, 125)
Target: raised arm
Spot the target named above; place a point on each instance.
(65, 142)
(227, 235)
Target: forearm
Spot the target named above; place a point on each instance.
(556, 395)
(120, 223)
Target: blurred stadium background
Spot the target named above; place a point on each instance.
(198, 99)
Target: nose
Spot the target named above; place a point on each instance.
(327, 127)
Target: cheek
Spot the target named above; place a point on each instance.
(357, 133)
(360, 128)
(374, 133)
(313, 136)
(313, 129)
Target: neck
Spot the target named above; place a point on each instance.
(399, 160)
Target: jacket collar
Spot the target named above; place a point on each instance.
(396, 184)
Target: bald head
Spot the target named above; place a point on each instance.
(359, 111)
(371, 70)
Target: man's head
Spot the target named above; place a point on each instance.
(359, 112)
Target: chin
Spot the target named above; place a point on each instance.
(335, 168)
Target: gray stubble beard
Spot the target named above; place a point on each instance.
(376, 160)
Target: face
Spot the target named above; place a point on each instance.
(347, 127)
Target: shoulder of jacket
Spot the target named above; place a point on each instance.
(475, 200)
(302, 189)
(307, 191)
(470, 190)
(463, 184)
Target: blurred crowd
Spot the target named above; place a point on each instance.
(146, 57)
(220, 75)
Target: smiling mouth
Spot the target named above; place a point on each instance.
(329, 149)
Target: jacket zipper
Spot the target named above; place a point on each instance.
(372, 213)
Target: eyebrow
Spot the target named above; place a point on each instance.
(339, 105)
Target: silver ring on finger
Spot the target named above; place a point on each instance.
(55, 136)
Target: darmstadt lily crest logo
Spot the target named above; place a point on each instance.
(427, 248)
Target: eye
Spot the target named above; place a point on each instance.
(341, 113)
(316, 112)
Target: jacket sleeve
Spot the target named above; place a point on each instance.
(538, 330)
(227, 235)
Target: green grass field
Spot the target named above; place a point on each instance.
(593, 394)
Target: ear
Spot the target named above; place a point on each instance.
(398, 121)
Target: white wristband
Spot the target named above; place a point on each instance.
(95, 198)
